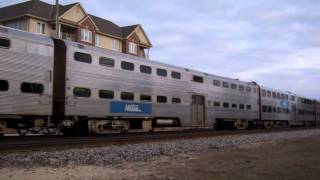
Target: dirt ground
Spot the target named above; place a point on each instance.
(298, 159)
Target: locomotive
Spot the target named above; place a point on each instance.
(48, 83)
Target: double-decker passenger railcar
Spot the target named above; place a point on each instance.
(73, 87)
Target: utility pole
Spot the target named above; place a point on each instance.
(57, 20)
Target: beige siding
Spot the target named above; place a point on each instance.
(33, 26)
(106, 42)
(75, 14)
(141, 36)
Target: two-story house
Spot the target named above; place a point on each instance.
(76, 24)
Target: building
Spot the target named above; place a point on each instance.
(76, 24)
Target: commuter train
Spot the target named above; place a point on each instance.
(75, 88)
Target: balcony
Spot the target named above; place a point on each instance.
(68, 33)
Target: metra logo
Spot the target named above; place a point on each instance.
(132, 108)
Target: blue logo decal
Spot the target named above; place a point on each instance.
(284, 104)
(132, 108)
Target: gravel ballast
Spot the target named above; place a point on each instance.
(103, 156)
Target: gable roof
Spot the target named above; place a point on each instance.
(47, 11)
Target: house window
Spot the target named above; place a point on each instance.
(133, 48)
(86, 35)
(41, 28)
(98, 40)
(115, 45)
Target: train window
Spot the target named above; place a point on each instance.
(162, 72)
(146, 98)
(233, 86)
(234, 105)
(255, 90)
(82, 57)
(216, 83)
(293, 98)
(225, 84)
(269, 109)
(127, 66)
(225, 105)
(269, 93)
(176, 100)
(4, 85)
(127, 96)
(198, 79)
(241, 88)
(81, 92)
(145, 69)
(241, 106)
(216, 104)
(175, 75)
(161, 99)
(248, 89)
(104, 61)
(264, 108)
(278, 110)
(278, 95)
(106, 94)
(264, 93)
(287, 110)
(282, 96)
(248, 107)
(274, 109)
(274, 95)
(33, 88)
(4, 43)
(286, 97)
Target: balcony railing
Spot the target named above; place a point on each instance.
(68, 36)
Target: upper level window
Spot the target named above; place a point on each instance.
(82, 57)
(175, 75)
(106, 94)
(33, 88)
(176, 100)
(241, 88)
(115, 45)
(162, 72)
(4, 43)
(81, 92)
(127, 96)
(234, 106)
(225, 105)
(133, 48)
(145, 69)
(241, 106)
(216, 83)
(104, 61)
(248, 107)
(41, 28)
(274, 95)
(161, 99)
(198, 79)
(4, 85)
(269, 93)
(86, 35)
(233, 86)
(248, 89)
(127, 66)
(216, 103)
(293, 98)
(264, 92)
(225, 84)
(98, 40)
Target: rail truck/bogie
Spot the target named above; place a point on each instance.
(48, 83)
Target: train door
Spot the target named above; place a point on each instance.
(293, 114)
(198, 110)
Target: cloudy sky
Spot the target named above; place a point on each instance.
(275, 43)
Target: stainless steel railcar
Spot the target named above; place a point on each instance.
(50, 82)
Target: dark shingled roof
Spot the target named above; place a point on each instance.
(47, 11)
(107, 26)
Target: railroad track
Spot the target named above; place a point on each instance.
(22, 144)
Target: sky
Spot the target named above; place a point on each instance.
(275, 43)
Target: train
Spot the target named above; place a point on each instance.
(49, 84)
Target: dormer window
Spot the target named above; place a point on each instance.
(86, 35)
(133, 48)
